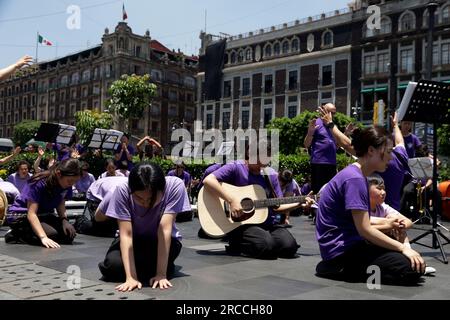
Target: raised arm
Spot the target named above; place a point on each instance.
(5, 72)
(398, 137)
(11, 156)
(309, 136)
(341, 139)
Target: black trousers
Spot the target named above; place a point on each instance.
(320, 175)
(52, 225)
(113, 270)
(86, 224)
(395, 268)
(263, 242)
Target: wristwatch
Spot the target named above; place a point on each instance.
(330, 125)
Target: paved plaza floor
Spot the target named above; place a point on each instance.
(204, 272)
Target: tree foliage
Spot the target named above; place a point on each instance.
(130, 95)
(293, 131)
(25, 130)
(88, 120)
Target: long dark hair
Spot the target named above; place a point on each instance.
(147, 176)
(68, 168)
(375, 137)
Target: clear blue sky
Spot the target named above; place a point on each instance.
(175, 23)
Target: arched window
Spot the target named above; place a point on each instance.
(248, 54)
(327, 38)
(233, 57)
(385, 25)
(295, 45)
(445, 14)
(241, 56)
(407, 21)
(276, 49)
(268, 51)
(426, 18)
(285, 47)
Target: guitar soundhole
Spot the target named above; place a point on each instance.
(248, 210)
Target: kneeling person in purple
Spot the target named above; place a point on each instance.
(349, 244)
(32, 217)
(268, 240)
(149, 241)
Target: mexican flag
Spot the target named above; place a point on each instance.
(124, 13)
(43, 40)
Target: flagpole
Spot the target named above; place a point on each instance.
(37, 41)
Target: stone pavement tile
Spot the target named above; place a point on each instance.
(214, 257)
(274, 286)
(227, 273)
(6, 261)
(38, 253)
(388, 291)
(24, 271)
(62, 264)
(338, 293)
(96, 292)
(40, 286)
(198, 288)
(7, 296)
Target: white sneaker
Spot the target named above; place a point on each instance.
(429, 271)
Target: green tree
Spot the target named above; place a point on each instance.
(25, 130)
(130, 95)
(444, 140)
(293, 131)
(88, 120)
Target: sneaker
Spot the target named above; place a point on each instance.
(429, 271)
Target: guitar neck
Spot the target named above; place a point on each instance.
(274, 202)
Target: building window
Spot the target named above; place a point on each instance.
(327, 39)
(138, 51)
(245, 118)
(233, 57)
(240, 56)
(293, 80)
(445, 15)
(156, 75)
(276, 49)
(295, 45)
(155, 109)
(33, 115)
(327, 75)
(292, 111)
(285, 47)
(268, 83)
(383, 62)
(369, 64)
(85, 92)
(445, 53)
(209, 121)
(435, 54)
(75, 78)
(407, 22)
(173, 95)
(267, 116)
(246, 86)
(268, 51)
(248, 54)
(155, 126)
(385, 26)
(226, 116)
(173, 112)
(86, 75)
(436, 18)
(406, 61)
(227, 89)
(189, 82)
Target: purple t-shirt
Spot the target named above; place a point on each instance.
(37, 192)
(394, 175)
(237, 173)
(10, 190)
(382, 210)
(335, 229)
(16, 180)
(100, 188)
(411, 143)
(323, 145)
(292, 187)
(84, 183)
(105, 174)
(210, 169)
(124, 155)
(62, 152)
(186, 177)
(145, 221)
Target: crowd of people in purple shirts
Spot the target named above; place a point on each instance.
(357, 219)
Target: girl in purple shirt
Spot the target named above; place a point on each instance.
(149, 241)
(349, 244)
(32, 217)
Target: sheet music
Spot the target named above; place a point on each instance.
(421, 168)
(110, 138)
(406, 99)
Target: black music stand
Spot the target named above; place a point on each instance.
(105, 139)
(47, 132)
(429, 103)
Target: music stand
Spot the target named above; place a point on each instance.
(65, 133)
(105, 139)
(428, 102)
(47, 132)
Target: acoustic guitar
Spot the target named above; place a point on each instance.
(215, 215)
